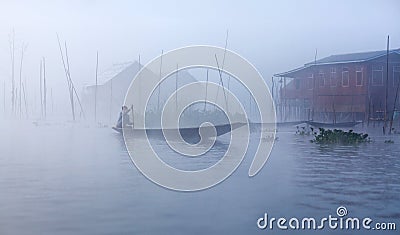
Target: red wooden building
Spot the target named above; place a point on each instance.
(346, 87)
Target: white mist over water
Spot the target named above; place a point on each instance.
(63, 177)
(274, 36)
(70, 178)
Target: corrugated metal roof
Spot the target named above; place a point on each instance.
(289, 72)
(352, 57)
(342, 58)
(114, 70)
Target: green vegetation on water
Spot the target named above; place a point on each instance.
(303, 131)
(339, 137)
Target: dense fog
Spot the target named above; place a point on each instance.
(274, 36)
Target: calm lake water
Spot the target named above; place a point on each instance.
(76, 179)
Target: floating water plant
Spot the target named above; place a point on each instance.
(339, 137)
(303, 131)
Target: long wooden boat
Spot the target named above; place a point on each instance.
(334, 125)
(185, 132)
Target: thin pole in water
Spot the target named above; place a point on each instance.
(20, 82)
(25, 102)
(250, 103)
(394, 105)
(313, 84)
(95, 91)
(226, 45)
(44, 89)
(13, 92)
(205, 99)
(70, 86)
(68, 81)
(73, 90)
(273, 87)
(139, 64)
(111, 97)
(52, 101)
(176, 89)
(41, 89)
(223, 63)
(387, 85)
(4, 97)
(140, 84)
(222, 83)
(159, 86)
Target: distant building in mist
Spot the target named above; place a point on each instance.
(346, 87)
(113, 86)
(110, 93)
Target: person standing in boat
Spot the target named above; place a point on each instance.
(123, 118)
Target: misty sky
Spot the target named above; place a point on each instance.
(274, 35)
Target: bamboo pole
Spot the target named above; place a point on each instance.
(52, 101)
(351, 107)
(140, 66)
(66, 74)
(223, 64)
(272, 89)
(176, 89)
(280, 99)
(222, 83)
(111, 98)
(285, 100)
(159, 85)
(41, 88)
(250, 103)
(12, 53)
(71, 91)
(95, 91)
(205, 99)
(226, 45)
(25, 101)
(20, 82)
(334, 110)
(394, 106)
(314, 87)
(4, 97)
(387, 86)
(369, 108)
(44, 89)
(140, 83)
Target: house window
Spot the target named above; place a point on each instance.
(359, 76)
(310, 81)
(377, 75)
(321, 79)
(396, 75)
(333, 77)
(345, 77)
(297, 83)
